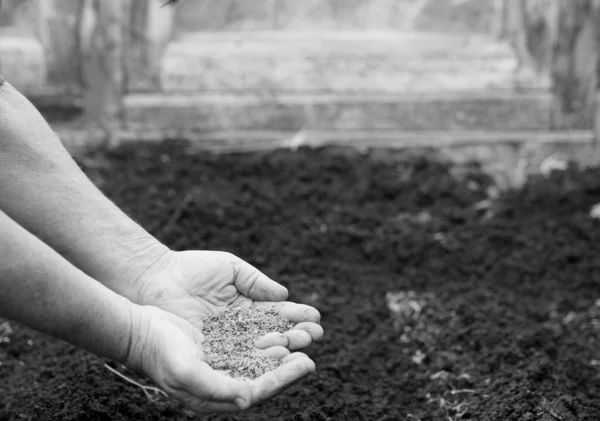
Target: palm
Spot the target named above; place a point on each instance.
(170, 352)
(197, 284)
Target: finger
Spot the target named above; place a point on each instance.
(192, 380)
(294, 356)
(252, 283)
(271, 339)
(292, 339)
(274, 382)
(242, 301)
(296, 313)
(198, 379)
(314, 330)
(277, 352)
(298, 339)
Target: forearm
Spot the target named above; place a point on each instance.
(43, 189)
(42, 290)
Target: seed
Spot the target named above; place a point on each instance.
(229, 337)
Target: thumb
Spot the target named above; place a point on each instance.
(254, 284)
(192, 331)
(188, 377)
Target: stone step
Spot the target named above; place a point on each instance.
(383, 62)
(406, 44)
(467, 110)
(267, 74)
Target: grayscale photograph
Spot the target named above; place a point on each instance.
(300, 210)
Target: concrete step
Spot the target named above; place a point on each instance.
(406, 44)
(485, 110)
(341, 62)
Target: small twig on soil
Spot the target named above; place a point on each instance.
(458, 409)
(546, 408)
(145, 389)
(455, 392)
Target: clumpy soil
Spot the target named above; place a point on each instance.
(433, 308)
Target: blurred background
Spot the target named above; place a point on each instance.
(511, 81)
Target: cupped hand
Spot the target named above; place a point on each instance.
(197, 284)
(168, 349)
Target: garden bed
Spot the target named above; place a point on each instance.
(433, 308)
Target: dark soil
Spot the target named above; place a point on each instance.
(501, 325)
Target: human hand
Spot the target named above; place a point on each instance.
(197, 284)
(168, 349)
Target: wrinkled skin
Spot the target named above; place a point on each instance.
(184, 288)
(169, 350)
(196, 284)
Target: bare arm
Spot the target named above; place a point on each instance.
(41, 289)
(44, 191)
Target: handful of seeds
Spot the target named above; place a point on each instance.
(229, 337)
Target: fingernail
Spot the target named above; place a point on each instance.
(241, 403)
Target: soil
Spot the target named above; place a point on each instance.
(433, 308)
